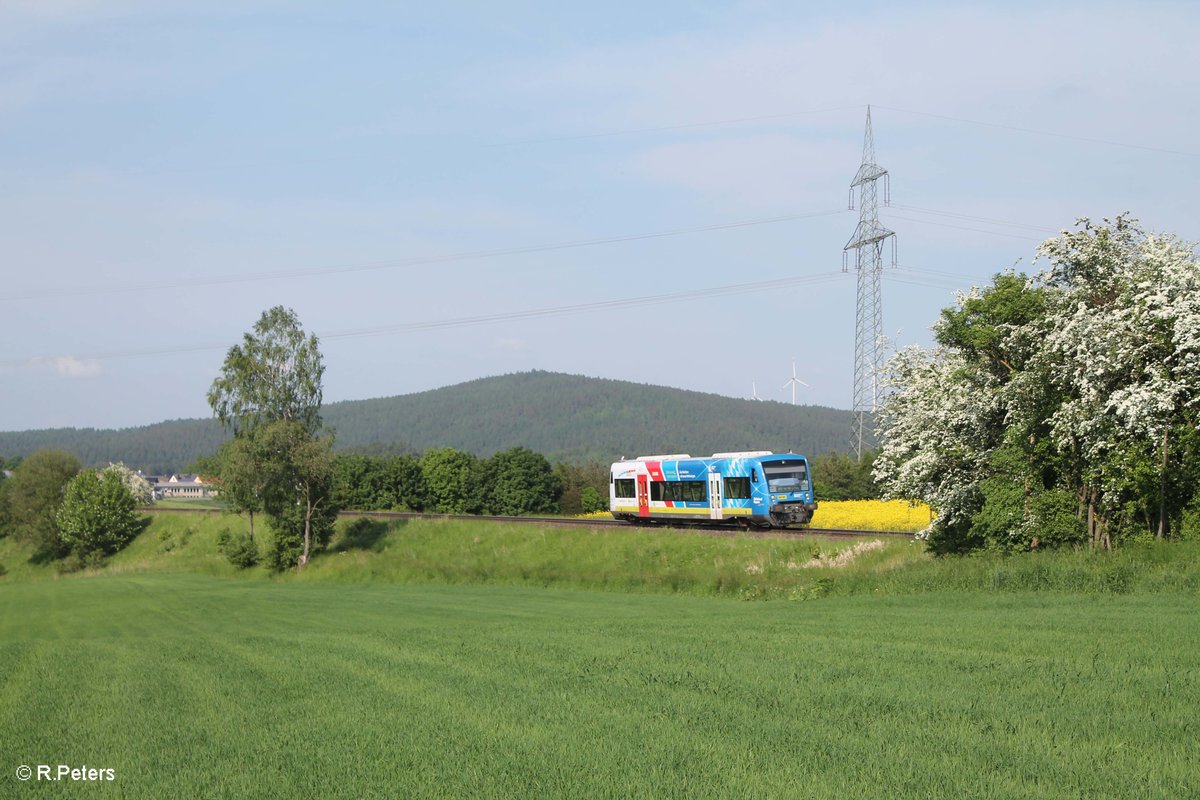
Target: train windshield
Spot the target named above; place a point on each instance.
(787, 477)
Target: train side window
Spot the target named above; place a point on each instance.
(737, 488)
(624, 487)
(679, 491)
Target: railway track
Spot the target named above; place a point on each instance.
(577, 522)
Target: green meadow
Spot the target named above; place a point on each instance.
(467, 660)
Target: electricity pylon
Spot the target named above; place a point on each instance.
(867, 244)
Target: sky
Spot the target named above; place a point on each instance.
(653, 192)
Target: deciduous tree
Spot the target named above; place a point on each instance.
(139, 488)
(239, 473)
(454, 481)
(34, 493)
(1077, 390)
(269, 395)
(298, 488)
(522, 482)
(274, 374)
(97, 513)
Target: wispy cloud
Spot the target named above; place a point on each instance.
(511, 344)
(68, 366)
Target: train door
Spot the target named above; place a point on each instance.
(714, 496)
(643, 490)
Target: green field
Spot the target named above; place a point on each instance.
(383, 672)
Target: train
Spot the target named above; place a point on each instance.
(758, 489)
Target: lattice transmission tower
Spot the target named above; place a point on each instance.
(867, 244)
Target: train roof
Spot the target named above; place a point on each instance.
(738, 454)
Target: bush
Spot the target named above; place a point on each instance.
(1054, 519)
(288, 542)
(590, 500)
(97, 514)
(239, 548)
(76, 561)
(1189, 525)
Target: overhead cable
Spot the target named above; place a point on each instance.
(193, 279)
(483, 319)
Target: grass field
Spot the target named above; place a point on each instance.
(456, 659)
(198, 686)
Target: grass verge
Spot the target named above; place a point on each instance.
(647, 561)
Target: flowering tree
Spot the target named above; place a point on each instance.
(1122, 343)
(934, 442)
(1059, 407)
(139, 488)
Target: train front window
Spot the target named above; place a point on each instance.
(789, 478)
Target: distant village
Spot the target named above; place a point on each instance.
(179, 485)
(184, 484)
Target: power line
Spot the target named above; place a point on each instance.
(939, 273)
(194, 280)
(602, 305)
(965, 228)
(933, 284)
(974, 218)
(483, 319)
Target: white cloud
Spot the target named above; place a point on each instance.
(68, 366)
(510, 344)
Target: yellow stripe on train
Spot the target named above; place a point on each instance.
(696, 512)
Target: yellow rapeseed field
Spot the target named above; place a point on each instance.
(867, 515)
(871, 515)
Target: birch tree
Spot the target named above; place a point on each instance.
(269, 395)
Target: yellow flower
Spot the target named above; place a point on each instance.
(872, 515)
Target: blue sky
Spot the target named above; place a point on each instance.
(172, 169)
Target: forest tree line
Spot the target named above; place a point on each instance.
(568, 418)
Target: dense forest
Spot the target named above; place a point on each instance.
(564, 417)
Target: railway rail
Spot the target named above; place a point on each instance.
(583, 522)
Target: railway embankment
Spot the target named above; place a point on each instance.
(537, 553)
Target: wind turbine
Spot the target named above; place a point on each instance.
(754, 391)
(794, 380)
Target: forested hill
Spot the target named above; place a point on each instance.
(565, 417)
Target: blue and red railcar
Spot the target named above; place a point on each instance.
(753, 489)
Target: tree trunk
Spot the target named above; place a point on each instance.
(307, 529)
(251, 513)
(1162, 489)
(1091, 519)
